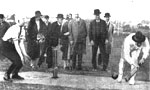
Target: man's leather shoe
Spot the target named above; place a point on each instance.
(7, 78)
(17, 77)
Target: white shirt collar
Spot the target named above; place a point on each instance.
(58, 23)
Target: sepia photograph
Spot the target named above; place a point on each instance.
(74, 45)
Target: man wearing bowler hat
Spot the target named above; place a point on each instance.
(135, 50)
(53, 37)
(110, 29)
(46, 43)
(35, 34)
(98, 35)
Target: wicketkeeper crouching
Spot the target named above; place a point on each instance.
(135, 50)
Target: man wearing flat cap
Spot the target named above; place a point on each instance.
(98, 35)
(35, 34)
(135, 50)
(53, 38)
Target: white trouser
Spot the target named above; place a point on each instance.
(134, 58)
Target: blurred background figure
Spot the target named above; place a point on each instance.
(46, 43)
(53, 37)
(35, 34)
(12, 20)
(110, 29)
(3, 25)
(3, 28)
(78, 34)
(70, 16)
(65, 41)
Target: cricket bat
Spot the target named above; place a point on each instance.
(133, 71)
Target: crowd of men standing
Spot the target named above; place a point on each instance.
(70, 37)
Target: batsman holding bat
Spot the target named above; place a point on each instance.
(135, 50)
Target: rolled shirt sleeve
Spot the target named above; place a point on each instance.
(12, 33)
(126, 51)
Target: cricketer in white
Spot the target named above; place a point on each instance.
(17, 35)
(134, 45)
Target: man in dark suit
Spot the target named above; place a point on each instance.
(46, 43)
(53, 38)
(97, 36)
(35, 33)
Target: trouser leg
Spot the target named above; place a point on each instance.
(106, 61)
(121, 67)
(10, 69)
(42, 53)
(74, 60)
(49, 59)
(80, 61)
(10, 52)
(132, 79)
(99, 59)
(103, 55)
(94, 54)
(64, 50)
(19, 65)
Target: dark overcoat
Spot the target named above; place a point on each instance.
(54, 34)
(102, 33)
(33, 48)
(78, 34)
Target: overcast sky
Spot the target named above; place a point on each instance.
(128, 10)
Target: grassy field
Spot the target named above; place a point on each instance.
(142, 75)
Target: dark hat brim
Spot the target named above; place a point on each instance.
(138, 40)
(60, 17)
(97, 13)
(107, 16)
(2, 16)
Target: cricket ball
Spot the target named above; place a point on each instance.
(114, 75)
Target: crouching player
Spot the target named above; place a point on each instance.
(14, 50)
(134, 45)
